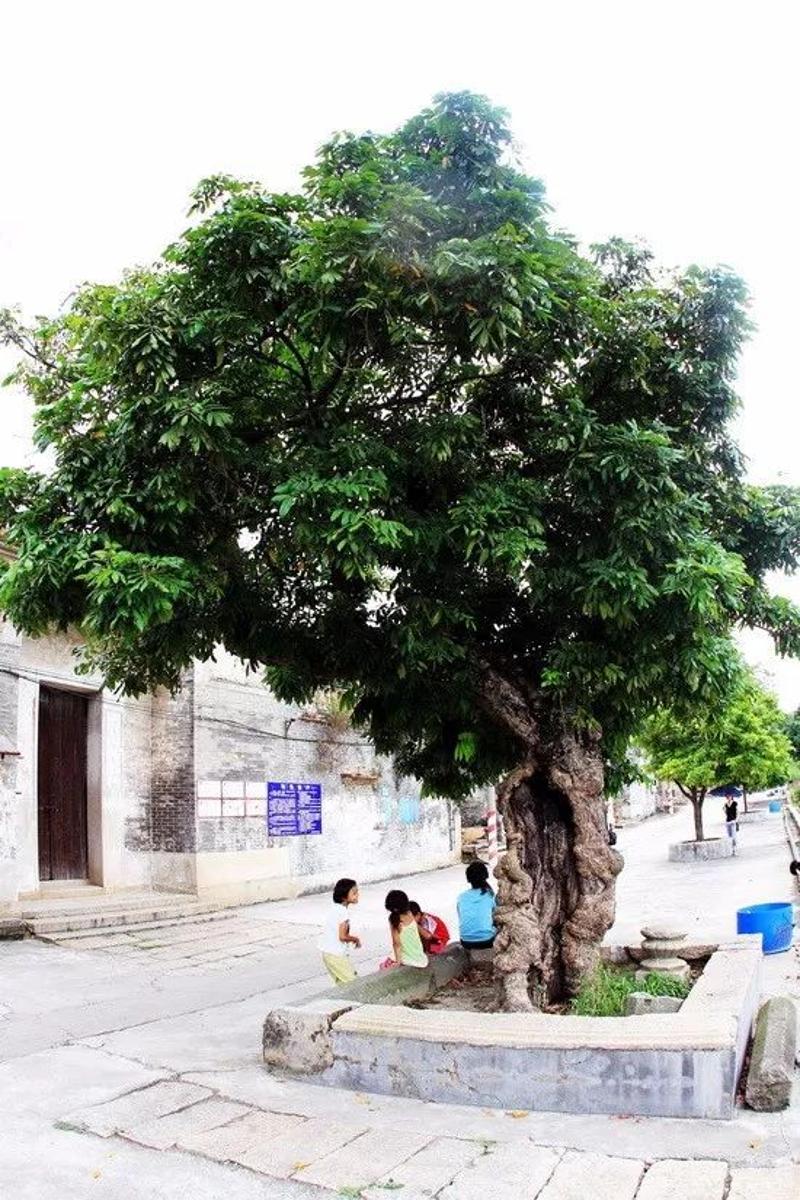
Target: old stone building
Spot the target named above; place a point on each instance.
(170, 793)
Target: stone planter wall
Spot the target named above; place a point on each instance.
(683, 1064)
(711, 848)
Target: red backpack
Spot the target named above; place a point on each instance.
(441, 932)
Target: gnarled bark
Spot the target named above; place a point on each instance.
(516, 944)
(556, 885)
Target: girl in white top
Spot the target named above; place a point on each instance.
(336, 937)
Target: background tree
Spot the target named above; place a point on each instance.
(792, 731)
(737, 740)
(397, 436)
(756, 751)
(685, 748)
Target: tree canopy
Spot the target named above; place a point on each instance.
(395, 434)
(685, 750)
(756, 751)
(739, 740)
(792, 730)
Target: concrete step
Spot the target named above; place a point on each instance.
(71, 890)
(107, 920)
(11, 929)
(76, 904)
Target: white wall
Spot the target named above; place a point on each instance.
(374, 822)
(636, 802)
(117, 763)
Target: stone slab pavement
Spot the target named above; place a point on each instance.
(216, 1131)
(129, 1066)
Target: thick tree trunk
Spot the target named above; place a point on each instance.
(556, 882)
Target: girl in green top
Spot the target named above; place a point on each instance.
(406, 942)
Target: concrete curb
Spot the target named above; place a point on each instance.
(401, 984)
(711, 848)
(686, 1064)
(297, 1038)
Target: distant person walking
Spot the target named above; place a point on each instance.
(612, 832)
(476, 910)
(336, 938)
(731, 819)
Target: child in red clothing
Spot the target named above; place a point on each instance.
(434, 933)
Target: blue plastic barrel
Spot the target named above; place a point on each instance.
(775, 806)
(773, 921)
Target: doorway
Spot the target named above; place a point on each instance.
(61, 788)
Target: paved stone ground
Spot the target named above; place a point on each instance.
(129, 1067)
(220, 944)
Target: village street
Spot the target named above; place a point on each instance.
(170, 1021)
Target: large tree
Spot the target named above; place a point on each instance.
(395, 435)
(739, 740)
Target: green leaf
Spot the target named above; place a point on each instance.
(395, 434)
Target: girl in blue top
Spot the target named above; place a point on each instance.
(476, 909)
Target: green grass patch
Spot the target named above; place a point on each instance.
(604, 993)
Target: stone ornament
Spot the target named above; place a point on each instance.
(661, 946)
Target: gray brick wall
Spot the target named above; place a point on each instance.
(223, 725)
(172, 817)
(137, 771)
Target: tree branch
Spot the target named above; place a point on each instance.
(284, 366)
(331, 383)
(429, 389)
(301, 362)
(507, 705)
(13, 335)
(685, 791)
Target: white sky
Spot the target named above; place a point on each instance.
(671, 120)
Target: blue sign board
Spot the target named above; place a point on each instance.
(294, 809)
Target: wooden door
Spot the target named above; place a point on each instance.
(62, 785)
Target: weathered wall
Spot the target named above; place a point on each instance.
(173, 826)
(9, 764)
(172, 812)
(374, 822)
(150, 759)
(118, 766)
(641, 800)
(636, 802)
